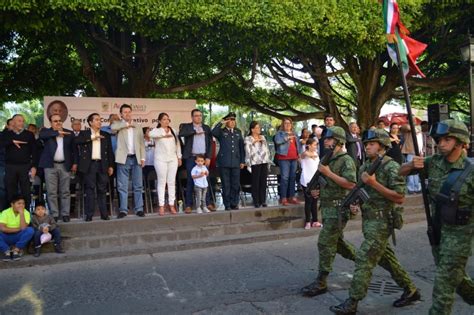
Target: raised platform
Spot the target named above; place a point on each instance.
(151, 234)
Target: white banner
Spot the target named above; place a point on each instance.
(145, 110)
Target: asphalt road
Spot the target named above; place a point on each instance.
(262, 278)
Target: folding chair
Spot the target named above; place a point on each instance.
(272, 181)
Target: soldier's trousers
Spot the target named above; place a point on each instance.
(451, 258)
(374, 250)
(331, 241)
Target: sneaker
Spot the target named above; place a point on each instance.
(205, 210)
(198, 210)
(6, 256)
(17, 253)
(316, 225)
(307, 226)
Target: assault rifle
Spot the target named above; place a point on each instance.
(358, 195)
(317, 181)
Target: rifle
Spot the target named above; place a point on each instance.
(433, 230)
(317, 181)
(358, 194)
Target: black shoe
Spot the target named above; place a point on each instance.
(256, 205)
(6, 256)
(105, 218)
(234, 207)
(264, 205)
(349, 307)
(318, 287)
(37, 251)
(407, 298)
(140, 214)
(66, 218)
(56, 219)
(88, 218)
(17, 254)
(121, 215)
(58, 249)
(227, 208)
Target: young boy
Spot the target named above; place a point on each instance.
(15, 233)
(45, 223)
(199, 174)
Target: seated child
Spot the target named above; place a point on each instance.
(15, 232)
(43, 224)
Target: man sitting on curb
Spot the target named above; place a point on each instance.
(15, 233)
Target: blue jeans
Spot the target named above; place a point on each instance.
(56, 236)
(413, 181)
(3, 193)
(287, 178)
(190, 163)
(123, 174)
(19, 239)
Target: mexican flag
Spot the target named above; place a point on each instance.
(409, 48)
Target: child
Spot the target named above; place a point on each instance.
(309, 166)
(199, 174)
(45, 223)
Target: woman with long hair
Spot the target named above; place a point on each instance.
(167, 161)
(287, 148)
(257, 157)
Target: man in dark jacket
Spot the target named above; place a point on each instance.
(197, 140)
(58, 159)
(354, 145)
(230, 160)
(96, 163)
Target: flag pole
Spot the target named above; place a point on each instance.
(432, 234)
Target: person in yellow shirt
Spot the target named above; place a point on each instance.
(15, 232)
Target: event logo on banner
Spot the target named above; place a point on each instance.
(145, 110)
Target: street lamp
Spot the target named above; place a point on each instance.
(467, 53)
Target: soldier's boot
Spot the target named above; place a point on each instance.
(349, 307)
(466, 293)
(319, 286)
(407, 298)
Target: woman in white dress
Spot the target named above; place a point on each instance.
(167, 161)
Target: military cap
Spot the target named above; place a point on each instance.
(450, 128)
(378, 135)
(229, 115)
(337, 133)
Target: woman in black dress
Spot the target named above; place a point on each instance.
(396, 151)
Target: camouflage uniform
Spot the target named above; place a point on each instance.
(452, 253)
(331, 239)
(375, 226)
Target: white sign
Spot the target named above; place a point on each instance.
(145, 111)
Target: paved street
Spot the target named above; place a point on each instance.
(261, 278)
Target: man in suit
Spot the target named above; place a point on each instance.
(59, 157)
(130, 158)
(230, 159)
(21, 158)
(354, 145)
(197, 140)
(329, 122)
(95, 165)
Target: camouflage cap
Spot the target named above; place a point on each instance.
(450, 128)
(378, 135)
(337, 133)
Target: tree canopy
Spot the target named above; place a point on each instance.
(316, 55)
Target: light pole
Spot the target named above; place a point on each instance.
(467, 53)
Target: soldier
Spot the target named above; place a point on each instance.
(230, 160)
(340, 175)
(451, 190)
(385, 189)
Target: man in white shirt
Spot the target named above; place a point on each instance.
(130, 159)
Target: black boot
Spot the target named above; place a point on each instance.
(407, 298)
(58, 249)
(319, 286)
(37, 251)
(349, 307)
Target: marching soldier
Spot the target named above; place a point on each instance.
(340, 175)
(451, 191)
(385, 189)
(230, 160)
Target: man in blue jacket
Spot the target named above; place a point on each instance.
(59, 157)
(230, 160)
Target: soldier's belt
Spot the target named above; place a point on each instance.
(331, 203)
(375, 215)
